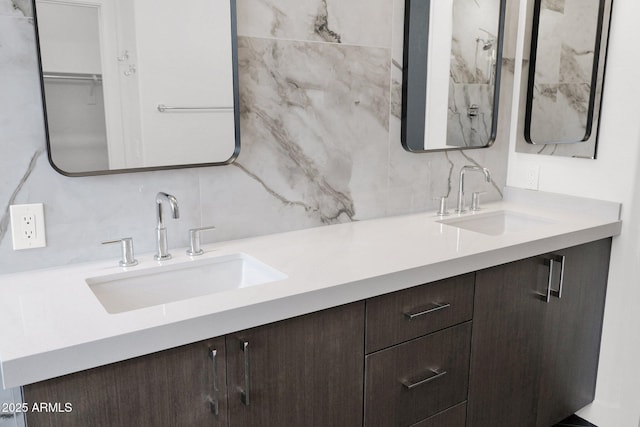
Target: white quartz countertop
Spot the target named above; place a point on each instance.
(52, 324)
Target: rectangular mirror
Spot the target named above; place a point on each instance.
(133, 85)
(452, 66)
(567, 42)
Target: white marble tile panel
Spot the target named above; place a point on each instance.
(240, 204)
(465, 129)
(548, 64)
(474, 35)
(314, 123)
(580, 25)
(559, 113)
(20, 8)
(360, 22)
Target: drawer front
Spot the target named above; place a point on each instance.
(452, 417)
(414, 312)
(412, 381)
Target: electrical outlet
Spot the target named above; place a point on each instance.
(532, 180)
(27, 226)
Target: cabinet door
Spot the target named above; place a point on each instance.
(306, 371)
(573, 326)
(176, 387)
(508, 322)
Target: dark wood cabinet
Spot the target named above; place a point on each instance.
(506, 344)
(184, 386)
(573, 328)
(417, 344)
(536, 337)
(516, 343)
(306, 371)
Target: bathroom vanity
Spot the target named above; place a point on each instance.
(472, 320)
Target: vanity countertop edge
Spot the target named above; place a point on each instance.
(57, 326)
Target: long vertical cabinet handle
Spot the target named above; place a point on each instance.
(560, 259)
(244, 394)
(546, 297)
(215, 401)
(550, 261)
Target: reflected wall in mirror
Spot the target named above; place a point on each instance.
(132, 85)
(567, 41)
(452, 65)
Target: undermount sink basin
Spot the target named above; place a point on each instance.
(132, 290)
(497, 223)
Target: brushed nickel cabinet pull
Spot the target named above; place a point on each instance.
(560, 259)
(550, 261)
(546, 297)
(244, 394)
(433, 307)
(433, 375)
(215, 402)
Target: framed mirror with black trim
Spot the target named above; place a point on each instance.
(563, 77)
(452, 67)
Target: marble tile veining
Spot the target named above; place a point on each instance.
(17, 7)
(5, 217)
(470, 115)
(341, 94)
(360, 22)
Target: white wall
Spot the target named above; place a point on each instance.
(612, 176)
(205, 75)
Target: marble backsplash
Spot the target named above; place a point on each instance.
(320, 139)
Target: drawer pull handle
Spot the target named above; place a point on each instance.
(215, 402)
(432, 308)
(433, 375)
(244, 394)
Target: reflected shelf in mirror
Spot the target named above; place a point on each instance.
(96, 78)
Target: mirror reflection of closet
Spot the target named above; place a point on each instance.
(138, 84)
(567, 42)
(72, 77)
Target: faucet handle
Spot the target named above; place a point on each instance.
(442, 211)
(475, 200)
(194, 240)
(126, 243)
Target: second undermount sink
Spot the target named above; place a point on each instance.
(497, 223)
(132, 290)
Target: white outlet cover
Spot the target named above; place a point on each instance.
(28, 234)
(532, 179)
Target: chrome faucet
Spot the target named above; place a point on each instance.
(487, 175)
(161, 231)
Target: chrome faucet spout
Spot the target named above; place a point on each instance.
(161, 231)
(487, 176)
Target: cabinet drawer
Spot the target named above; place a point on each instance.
(452, 417)
(411, 313)
(417, 379)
